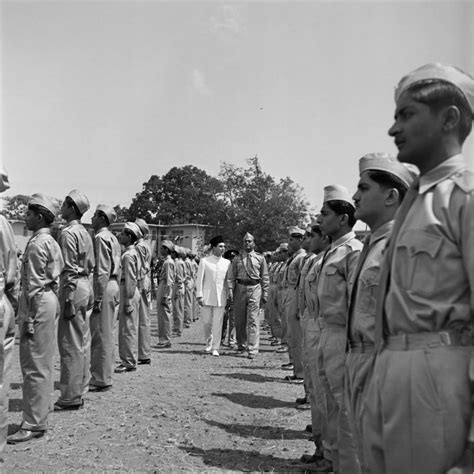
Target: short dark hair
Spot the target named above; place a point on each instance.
(388, 180)
(48, 216)
(343, 207)
(436, 94)
(131, 234)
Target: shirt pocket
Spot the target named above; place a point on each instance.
(416, 262)
(331, 281)
(367, 289)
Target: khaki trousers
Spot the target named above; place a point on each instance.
(36, 360)
(128, 324)
(188, 302)
(144, 327)
(74, 347)
(417, 415)
(178, 310)
(247, 312)
(295, 333)
(165, 315)
(7, 335)
(103, 326)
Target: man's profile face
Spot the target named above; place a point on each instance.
(369, 199)
(329, 221)
(249, 244)
(294, 243)
(417, 130)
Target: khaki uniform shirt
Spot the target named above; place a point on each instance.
(130, 271)
(8, 262)
(78, 253)
(42, 265)
(180, 273)
(249, 266)
(108, 258)
(311, 286)
(333, 282)
(362, 309)
(293, 269)
(309, 261)
(167, 276)
(432, 269)
(144, 252)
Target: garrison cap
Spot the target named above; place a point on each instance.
(4, 183)
(283, 247)
(134, 229)
(336, 192)
(108, 211)
(218, 239)
(248, 235)
(463, 81)
(145, 230)
(40, 199)
(80, 200)
(296, 231)
(168, 244)
(389, 164)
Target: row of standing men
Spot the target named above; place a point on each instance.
(76, 291)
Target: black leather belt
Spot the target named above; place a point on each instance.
(247, 282)
(426, 340)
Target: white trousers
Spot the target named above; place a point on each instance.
(212, 317)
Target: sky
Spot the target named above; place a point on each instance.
(100, 95)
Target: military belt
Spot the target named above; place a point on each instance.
(426, 340)
(361, 347)
(247, 281)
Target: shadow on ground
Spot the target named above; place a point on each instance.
(250, 377)
(254, 401)
(240, 460)
(255, 431)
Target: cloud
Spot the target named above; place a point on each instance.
(227, 20)
(200, 84)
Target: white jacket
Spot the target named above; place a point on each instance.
(211, 280)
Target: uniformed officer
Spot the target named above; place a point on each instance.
(8, 305)
(178, 290)
(144, 287)
(291, 302)
(279, 275)
(382, 186)
(189, 289)
(163, 296)
(418, 409)
(129, 299)
(76, 304)
(103, 320)
(38, 310)
(336, 221)
(248, 284)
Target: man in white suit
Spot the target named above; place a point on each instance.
(211, 293)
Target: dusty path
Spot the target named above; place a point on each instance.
(185, 412)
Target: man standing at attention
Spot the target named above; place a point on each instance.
(248, 286)
(382, 186)
(106, 299)
(163, 296)
(76, 303)
(418, 410)
(144, 287)
(38, 309)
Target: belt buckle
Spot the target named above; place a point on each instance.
(445, 338)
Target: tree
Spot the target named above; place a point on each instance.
(183, 195)
(260, 205)
(15, 207)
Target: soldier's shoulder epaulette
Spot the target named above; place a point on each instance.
(354, 244)
(464, 180)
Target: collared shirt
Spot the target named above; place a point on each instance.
(167, 276)
(309, 261)
(108, 256)
(249, 266)
(144, 252)
(431, 285)
(211, 281)
(293, 268)
(179, 273)
(333, 282)
(8, 261)
(41, 267)
(363, 307)
(130, 272)
(78, 254)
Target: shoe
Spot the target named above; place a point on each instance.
(99, 388)
(301, 401)
(276, 342)
(252, 356)
(225, 344)
(293, 379)
(282, 349)
(176, 334)
(144, 361)
(321, 465)
(120, 369)
(215, 353)
(163, 345)
(288, 366)
(309, 428)
(59, 407)
(310, 458)
(187, 326)
(303, 406)
(240, 351)
(23, 435)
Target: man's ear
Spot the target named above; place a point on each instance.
(451, 118)
(392, 197)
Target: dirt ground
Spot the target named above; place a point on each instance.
(186, 412)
